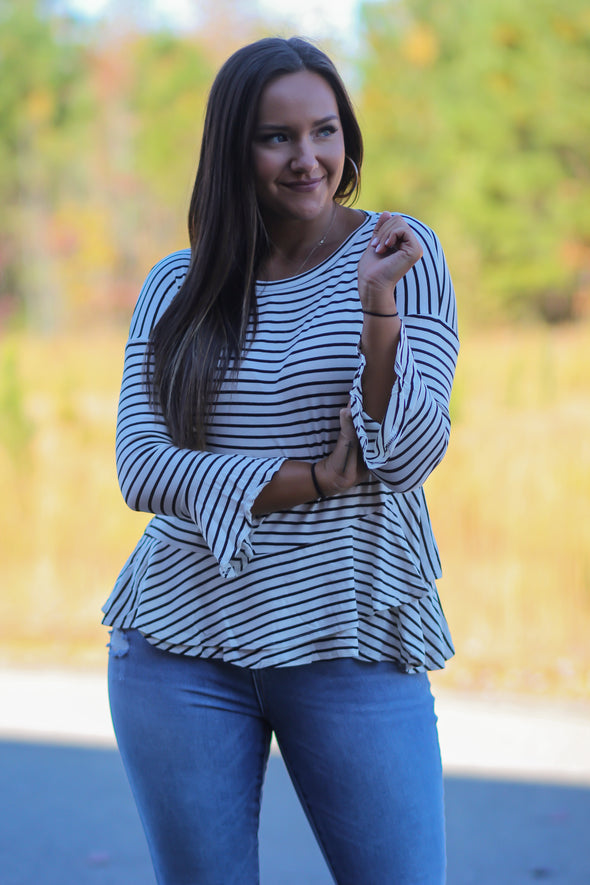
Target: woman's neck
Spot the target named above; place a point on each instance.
(296, 247)
(293, 239)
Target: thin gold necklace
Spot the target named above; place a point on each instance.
(317, 245)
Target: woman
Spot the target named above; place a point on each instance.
(285, 395)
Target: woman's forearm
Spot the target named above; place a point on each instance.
(299, 482)
(291, 485)
(379, 340)
(391, 253)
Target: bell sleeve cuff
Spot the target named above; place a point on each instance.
(214, 491)
(404, 448)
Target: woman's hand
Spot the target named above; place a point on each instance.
(344, 467)
(393, 250)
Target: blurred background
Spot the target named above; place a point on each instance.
(476, 119)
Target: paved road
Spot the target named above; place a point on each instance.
(517, 788)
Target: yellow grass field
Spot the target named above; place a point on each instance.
(510, 506)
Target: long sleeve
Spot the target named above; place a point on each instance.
(411, 440)
(213, 491)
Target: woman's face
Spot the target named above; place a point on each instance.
(298, 148)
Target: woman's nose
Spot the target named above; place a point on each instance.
(304, 159)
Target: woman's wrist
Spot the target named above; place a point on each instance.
(321, 495)
(379, 307)
(374, 313)
(377, 299)
(291, 486)
(326, 486)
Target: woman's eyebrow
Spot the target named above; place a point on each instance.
(281, 126)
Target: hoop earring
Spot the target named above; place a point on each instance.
(357, 176)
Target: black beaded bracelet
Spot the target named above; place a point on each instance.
(316, 484)
(373, 314)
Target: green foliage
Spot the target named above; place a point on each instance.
(99, 139)
(476, 119)
(43, 115)
(171, 77)
(41, 68)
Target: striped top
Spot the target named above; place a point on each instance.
(353, 575)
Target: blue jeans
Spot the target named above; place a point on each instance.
(359, 741)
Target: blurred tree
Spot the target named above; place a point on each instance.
(171, 80)
(168, 93)
(476, 118)
(99, 133)
(150, 90)
(43, 109)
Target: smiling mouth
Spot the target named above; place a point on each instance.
(303, 185)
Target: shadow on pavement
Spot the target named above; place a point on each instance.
(67, 818)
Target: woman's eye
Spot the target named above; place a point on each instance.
(326, 130)
(274, 138)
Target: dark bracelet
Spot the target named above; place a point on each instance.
(316, 485)
(373, 314)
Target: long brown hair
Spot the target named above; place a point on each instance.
(202, 334)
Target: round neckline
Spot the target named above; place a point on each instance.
(331, 257)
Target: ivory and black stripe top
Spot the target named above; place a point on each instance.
(350, 576)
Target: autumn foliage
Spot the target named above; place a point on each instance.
(475, 117)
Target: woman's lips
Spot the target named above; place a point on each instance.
(304, 186)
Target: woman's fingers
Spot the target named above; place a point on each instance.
(344, 467)
(393, 250)
(347, 446)
(392, 233)
(346, 423)
(382, 230)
